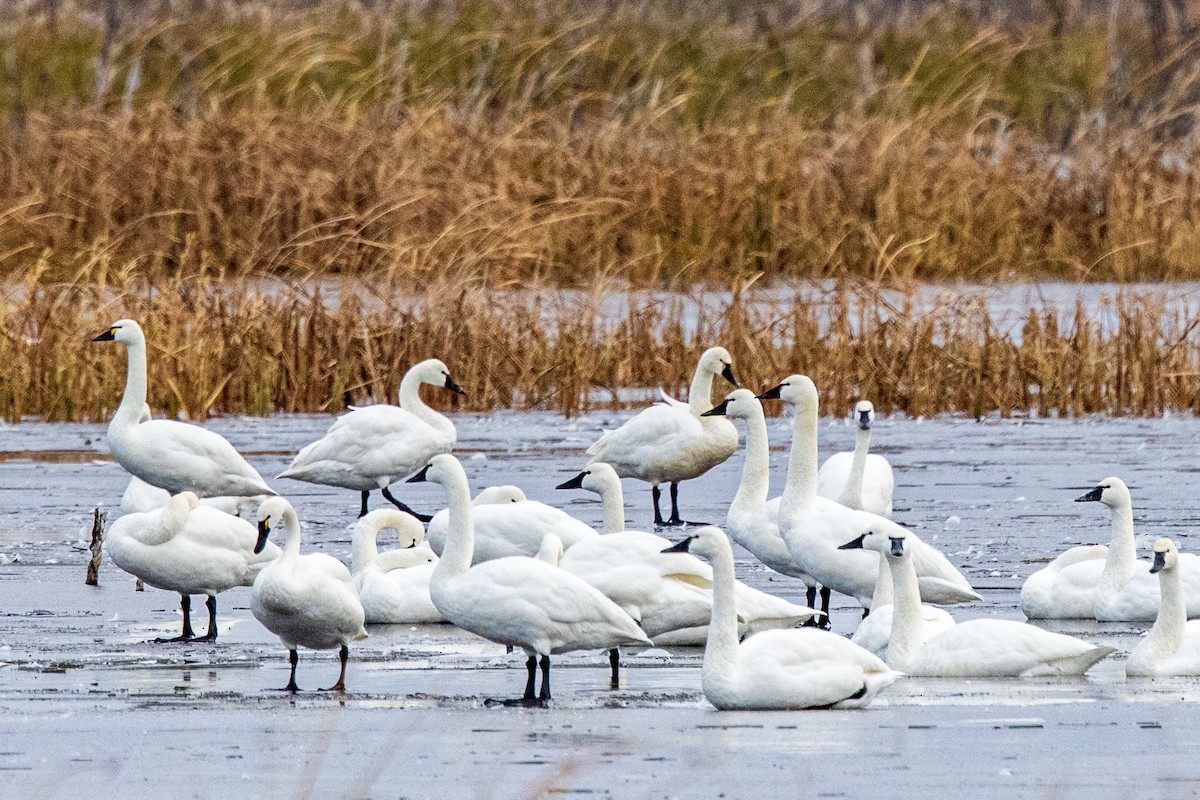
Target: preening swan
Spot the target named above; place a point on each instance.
(992, 648)
(517, 601)
(187, 548)
(393, 586)
(171, 455)
(781, 669)
(671, 442)
(860, 479)
(306, 600)
(373, 447)
(505, 529)
(815, 528)
(1173, 645)
(1109, 584)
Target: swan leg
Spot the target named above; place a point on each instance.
(656, 493)
(185, 603)
(211, 636)
(544, 695)
(825, 624)
(294, 658)
(811, 602)
(675, 518)
(343, 656)
(362, 511)
(388, 496)
(529, 698)
(614, 662)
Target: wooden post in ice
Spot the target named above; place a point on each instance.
(93, 570)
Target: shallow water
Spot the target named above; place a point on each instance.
(90, 709)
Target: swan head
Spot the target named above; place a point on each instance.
(864, 414)
(717, 361)
(740, 404)
(708, 542)
(598, 477)
(184, 502)
(498, 495)
(1112, 492)
(270, 516)
(797, 391)
(434, 371)
(409, 530)
(551, 550)
(892, 543)
(125, 331)
(1166, 555)
(444, 469)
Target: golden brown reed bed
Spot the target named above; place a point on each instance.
(246, 347)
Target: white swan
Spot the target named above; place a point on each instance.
(374, 446)
(183, 547)
(860, 479)
(873, 633)
(814, 528)
(171, 455)
(1108, 584)
(986, 648)
(671, 442)
(804, 668)
(669, 594)
(393, 586)
(505, 529)
(517, 601)
(306, 600)
(1173, 645)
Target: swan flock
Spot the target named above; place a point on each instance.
(525, 574)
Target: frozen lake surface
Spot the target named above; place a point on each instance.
(88, 709)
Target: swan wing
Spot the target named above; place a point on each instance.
(1066, 587)
(806, 669)
(511, 529)
(176, 456)
(1003, 648)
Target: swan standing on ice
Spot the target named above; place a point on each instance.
(671, 442)
(374, 446)
(518, 601)
(814, 528)
(168, 454)
(802, 668)
(306, 600)
(1109, 583)
(985, 648)
(859, 480)
(191, 549)
(1173, 645)
(393, 586)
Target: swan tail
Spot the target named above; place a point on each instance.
(1074, 665)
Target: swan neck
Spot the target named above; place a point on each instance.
(801, 488)
(851, 496)
(410, 401)
(700, 392)
(613, 498)
(291, 547)
(459, 546)
(1122, 550)
(133, 401)
(720, 653)
(365, 548)
(905, 643)
(884, 595)
(753, 491)
(1172, 610)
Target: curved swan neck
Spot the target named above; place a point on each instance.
(291, 547)
(1122, 550)
(700, 392)
(364, 549)
(905, 643)
(410, 401)
(613, 498)
(459, 546)
(754, 489)
(133, 402)
(851, 495)
(801, 488)
(720, 652)
(884, 595)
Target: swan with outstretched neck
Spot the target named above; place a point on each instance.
(165, 453)
(671, 442)
(306, 600)
(1172, 647)
(518, 601)
(780, 669)
(372, 447)
(861, 479)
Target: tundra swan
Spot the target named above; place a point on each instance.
(1108, 584)
(306, 600)
(985, 648)
(873, 633)
(780, 669)
(191, 549)
(517, 601)
(815, 528)
(374, 446)
(510, 528)
(1173, 645)
(671, 442)
(393, 586)
(165, 453)
(860, 480)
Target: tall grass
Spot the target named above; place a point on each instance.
(556, 142)
(244, 347)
